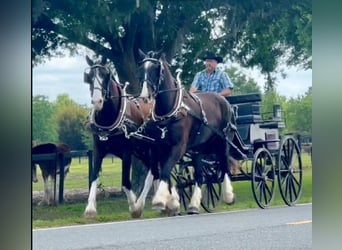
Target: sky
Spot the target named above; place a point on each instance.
(65, 76)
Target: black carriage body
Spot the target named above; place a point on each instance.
(263, 154)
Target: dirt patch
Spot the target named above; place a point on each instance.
(79, 195)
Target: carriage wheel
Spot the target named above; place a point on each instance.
(290, 173)
(211, 188)
(263, 178)
(183, 177)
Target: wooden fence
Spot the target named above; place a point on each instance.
(60, 158)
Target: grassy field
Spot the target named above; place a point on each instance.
(116, 209)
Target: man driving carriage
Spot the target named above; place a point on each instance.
(212, 79)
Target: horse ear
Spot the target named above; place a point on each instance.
(159, 53)
(163, 56)
(141, 54)
(89, 61)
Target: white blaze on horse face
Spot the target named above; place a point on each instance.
(97, 99)
(144, 91)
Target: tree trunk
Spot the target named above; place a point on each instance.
(126, 69)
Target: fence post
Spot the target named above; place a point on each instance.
(61, 176)
(55, 177)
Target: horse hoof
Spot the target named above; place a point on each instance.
(158, 206)
(192, 210)
(89, 214)
(170, 212)
(136, 214)
(232, 202)
(173, 213)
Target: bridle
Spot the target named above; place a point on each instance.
(118, 126)
(156, 90)
(107, 79)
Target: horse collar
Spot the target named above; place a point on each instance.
(174, 112)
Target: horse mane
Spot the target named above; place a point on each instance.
(166, 67)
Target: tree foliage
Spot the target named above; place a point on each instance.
(44, 128)
(70, 118)
(60, 121)
(299, 114)
(296, 112)
(250, 32)
(242, 83)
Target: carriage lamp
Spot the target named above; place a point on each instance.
(276, 112)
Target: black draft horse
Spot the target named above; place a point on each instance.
(49, 168)
(184, 123)
(113, 120)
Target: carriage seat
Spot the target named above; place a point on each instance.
(239, 99)
(246, 108)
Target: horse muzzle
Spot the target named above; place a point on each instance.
(97, 104)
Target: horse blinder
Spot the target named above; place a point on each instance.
(87, 78)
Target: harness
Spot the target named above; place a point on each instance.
(180, 109)
(122, 124)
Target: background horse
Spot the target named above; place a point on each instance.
(49, 168)
(183, 122)
(113, 121)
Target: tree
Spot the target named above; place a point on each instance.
(44, 128)
(299, 114)
(252, 33)
(269, 99)
(242, 83)
(70, 118)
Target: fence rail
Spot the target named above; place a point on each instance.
(60, 159)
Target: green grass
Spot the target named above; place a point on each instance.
(116, 208)
(110, 176)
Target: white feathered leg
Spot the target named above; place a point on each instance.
(160, 198)
(90, 211)
(195, 202)
(227, 191)
(136, 206)
(46, 198)
(172, 203)
(156, 185)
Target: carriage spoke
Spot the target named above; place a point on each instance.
(268, 189)
(294, 188)
(285, 181)
(265, 193)
(291, 189)
(295, 179)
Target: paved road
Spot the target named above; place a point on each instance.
(272, 228)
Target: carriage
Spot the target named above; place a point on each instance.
(263, 156)
(195, 145)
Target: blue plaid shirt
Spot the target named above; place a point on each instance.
(215, 82)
